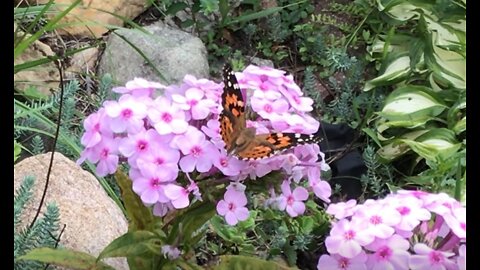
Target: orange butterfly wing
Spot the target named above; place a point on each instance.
(266, 145)
(232, 119)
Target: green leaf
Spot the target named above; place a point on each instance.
(176, 7)
(411, 106)
(238, 262)
(226, 232)
(66, 258)
(435, 145)
(17, 149)
(190, 220)
(135, 243)
(395, 71)
(224, 8)
(396, 147)
(139, 215)
(19, 48)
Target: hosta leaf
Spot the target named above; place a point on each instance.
(397, 147)
(411, 106)
(435, 145)
(394, 72)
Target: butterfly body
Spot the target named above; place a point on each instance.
(242, 141)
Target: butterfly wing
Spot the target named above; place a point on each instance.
(266, 145)
(232, 119)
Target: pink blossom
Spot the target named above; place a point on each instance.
(138, 144)
(347, 238)
(150, 188)
(167, 118)
(139, 87)
(105, 154)
(170, 252)
(194, 103)
(199, 153)
(265, 108)
(94, 126)
(292, 201)
(178, 195)
(228, 165)
(342, 209)
(380, 219)
(457, 221)
(233, 207)
(320, 188)
(428, 258)
(162, 160)
(337, 262)
(462, 257)
(126, 115)
(411, 211)
(391, 253)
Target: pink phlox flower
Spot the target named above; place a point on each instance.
(139, 87)
(161, 209)
(232, 207)
(178, 195)
(167, 118)
(342, 210)
(380, 219)
(391, 253)
(162, 160)
(411, 211)
(170, 252)
(457, 221)
(338, 262)
(292, 202)
(296, 123)
(266, 108)
(95, 125)
(139, 144)
(320, 188)
(428, 258)
(462, 257)
(104, 154)
(194, 103)
(213, 91)
(199, 153)
(347, 238)
(298, 102)
(126, 115)
(228, 165)
(257, 168)
(212, 130)
(151, 188)
(441, 203)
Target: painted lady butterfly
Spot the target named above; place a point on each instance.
(242, 141)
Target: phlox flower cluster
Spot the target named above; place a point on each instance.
(407, 230)
(165, 139)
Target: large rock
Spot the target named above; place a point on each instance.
(173, 52)
(90, 17)
(45, 78)
(92, 218)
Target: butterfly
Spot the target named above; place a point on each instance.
(242, 141)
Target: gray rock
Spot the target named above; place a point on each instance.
(173, 52)
(261, 62)
(92, 218)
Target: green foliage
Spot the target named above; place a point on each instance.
(37, 145)
(375, 182)
(420, 54)
(43, 233)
